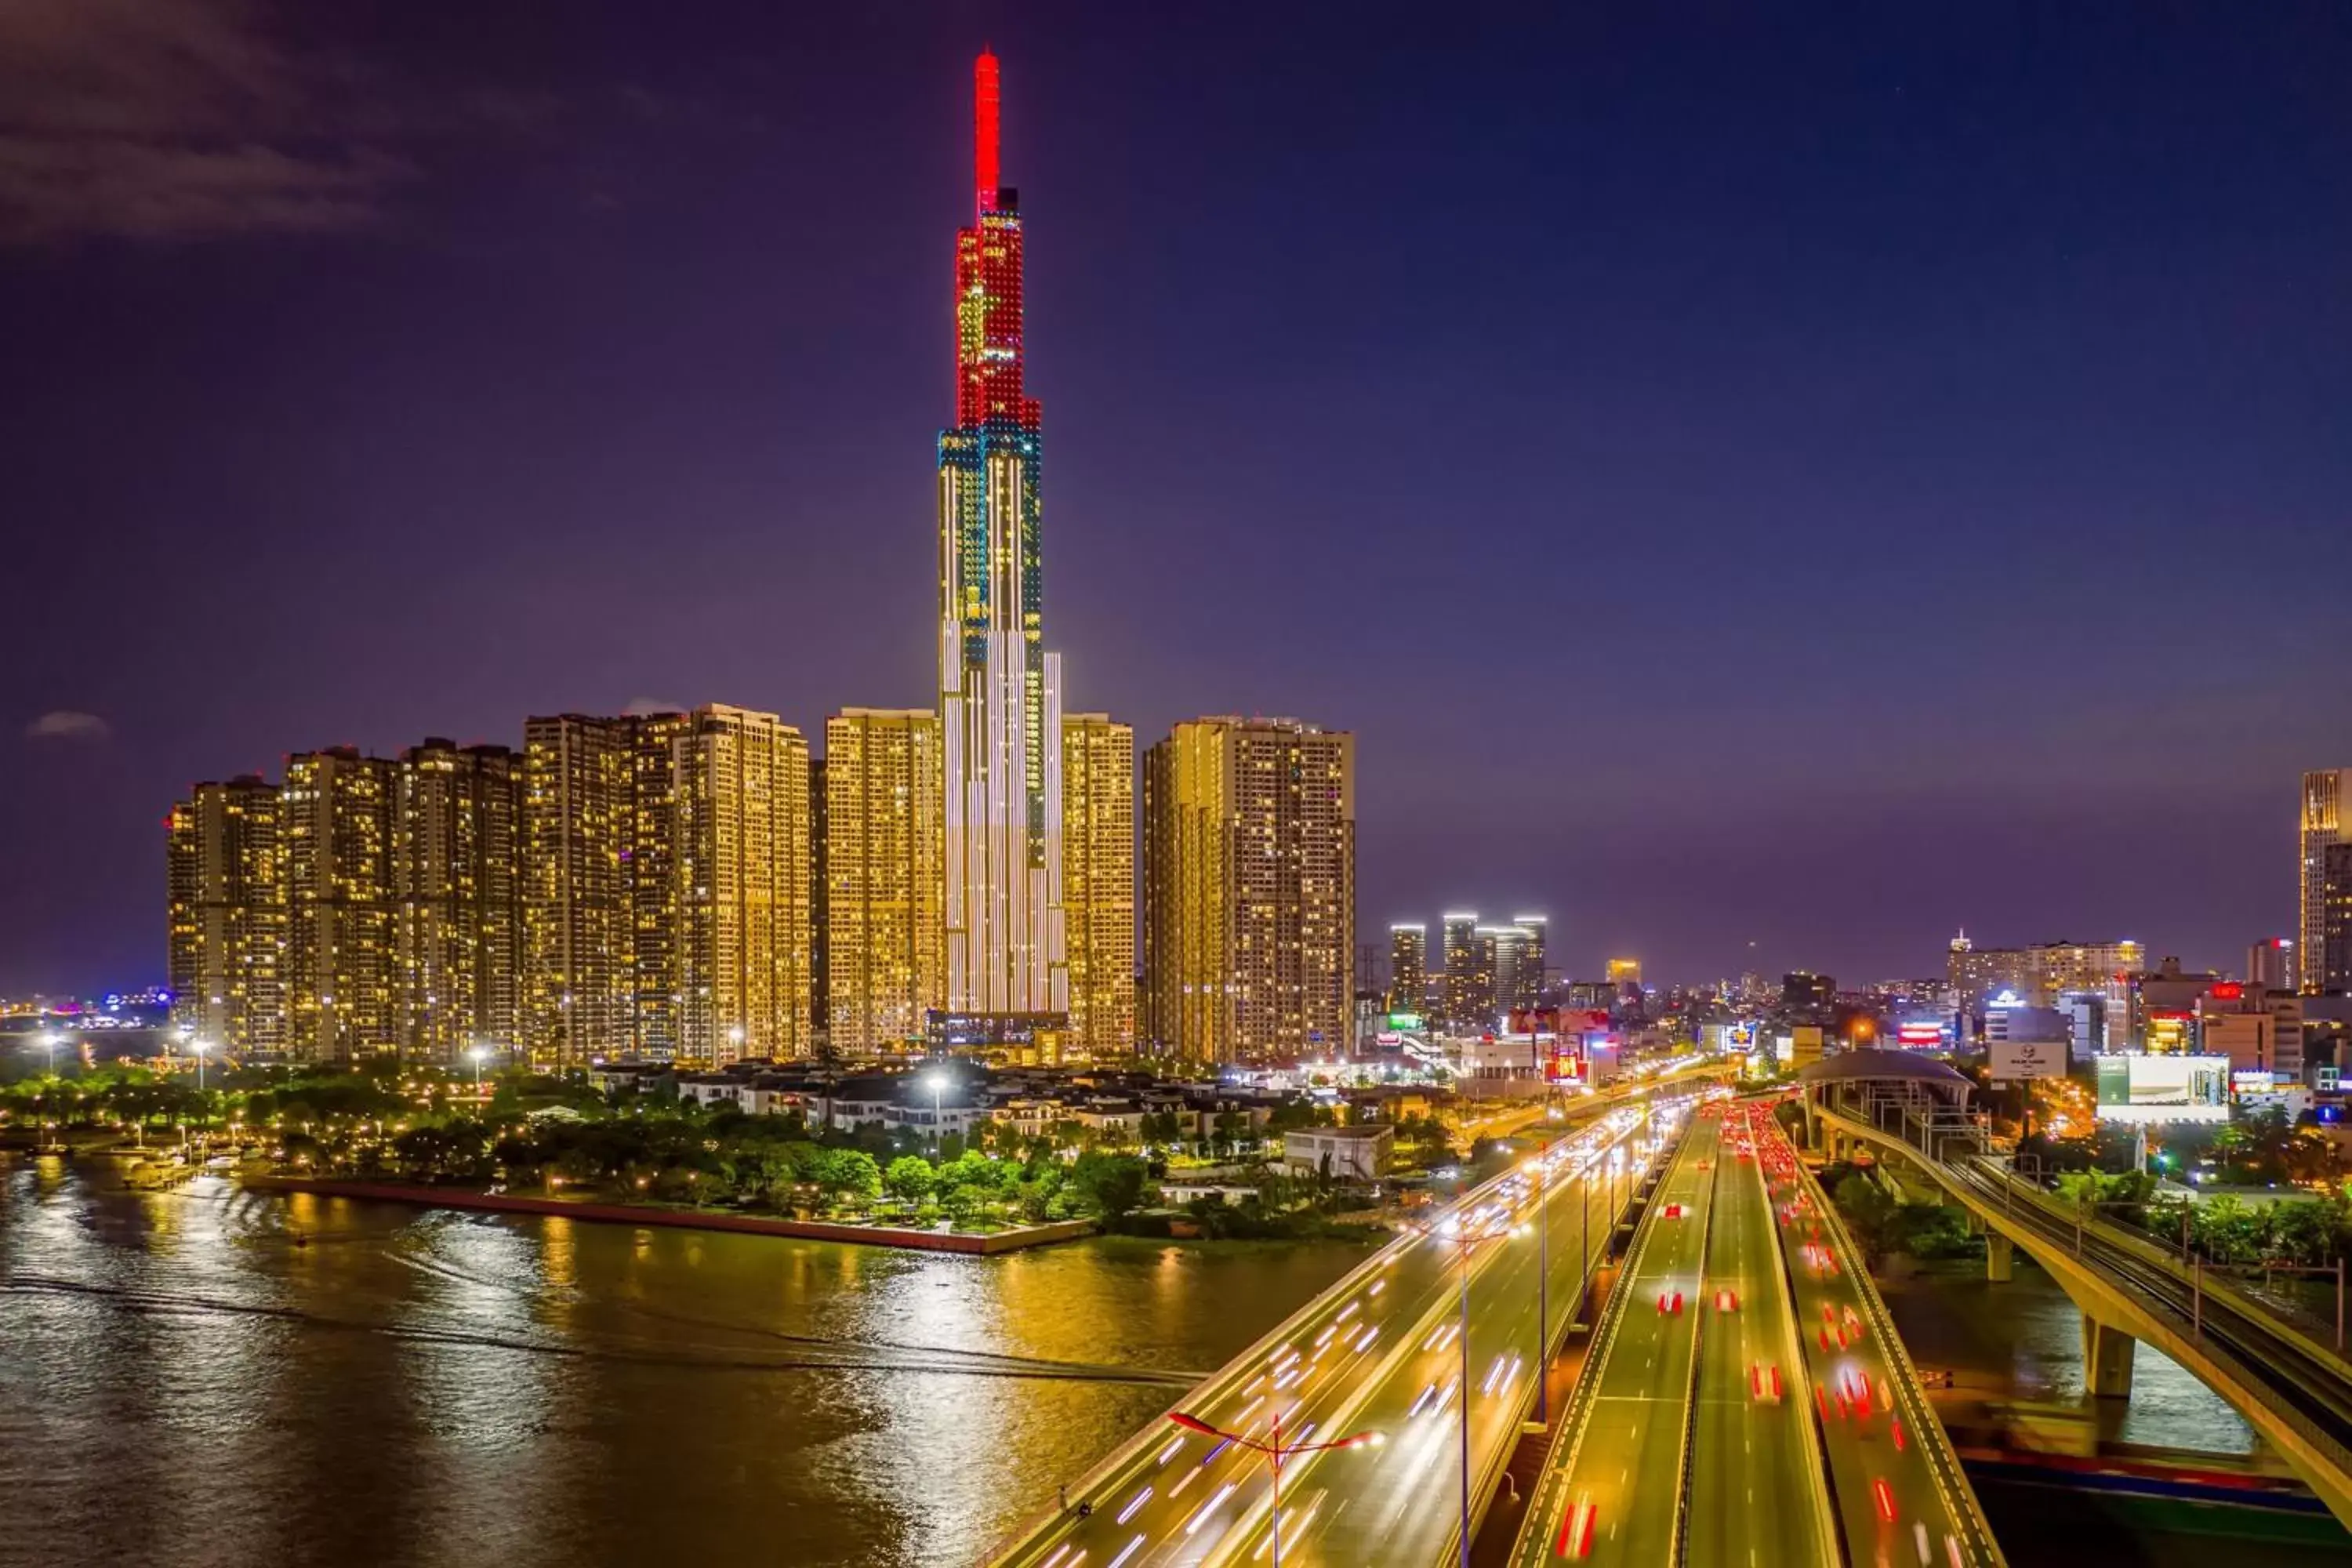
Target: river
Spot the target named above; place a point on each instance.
(210, 1378)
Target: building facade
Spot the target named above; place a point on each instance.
(2326, 793)
(1468, 991)
(340, 974)
(456, 893)
(1098, 882)
(1408, 967)
(999, 690)
(579, 820)
(2329, 973)
(742, 940)
(227, 915)
(885, 953)
(1249, 889)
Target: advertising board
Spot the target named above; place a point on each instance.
(2134, 1087)
(2013, 1059)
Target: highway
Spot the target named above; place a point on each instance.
(1675, 1449)
(1382, 1353)
(1756, 1475)
(1901, 1497)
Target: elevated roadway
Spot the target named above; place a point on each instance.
(2294, 1391)
(1381, 1351)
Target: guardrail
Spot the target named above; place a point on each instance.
(1927, 1428)
(1818, 1457)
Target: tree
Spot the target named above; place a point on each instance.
(849, 1173)
(1110, 1184)
(908, 1178)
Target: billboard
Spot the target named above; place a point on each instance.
(2028, 1059)
(1919, 1035)
(1804, 1044)
(2137, 1088)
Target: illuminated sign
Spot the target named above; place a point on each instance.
(2028, 1059)
(1918, 1035)
(2228, 991)
(1404, 1021)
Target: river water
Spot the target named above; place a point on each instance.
(215, 1377)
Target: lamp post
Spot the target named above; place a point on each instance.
(476, 1053)
(1275, 1450)
(49, 1043)
(202, 1048)
(937, 1082)
(1464, 1238)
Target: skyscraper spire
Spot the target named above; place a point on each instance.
(984, 127)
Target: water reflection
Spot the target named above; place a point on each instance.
(205, 1376)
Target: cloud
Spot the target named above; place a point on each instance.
(640, 706)
(187, 119)
(65, 724)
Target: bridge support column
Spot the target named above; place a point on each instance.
(2001, 1262)
(2106, 1360)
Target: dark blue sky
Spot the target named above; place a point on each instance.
(1815, 482)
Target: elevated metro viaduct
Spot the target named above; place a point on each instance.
(2296, 1392)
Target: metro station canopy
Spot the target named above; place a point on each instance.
(1885, 1067)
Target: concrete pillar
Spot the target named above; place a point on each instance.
(2000, 1260)
(2107, 1359)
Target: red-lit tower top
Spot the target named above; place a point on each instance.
(988, 280)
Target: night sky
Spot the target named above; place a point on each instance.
(1815, 483)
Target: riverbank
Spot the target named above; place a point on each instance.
(1010, 1240)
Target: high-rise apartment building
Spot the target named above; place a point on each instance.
(1408, 966)
(1625, 971)
(999, 690)
(1523, 987)
(228, 914)
(579, 815)
(1098, 882)
(1249, 889)
(655, 986)
(885, 943)
(2326, 797)
(1505, 971)
(1467, 991)
(340, 976)
(2038, 974)
(456, 874)
(742, 941)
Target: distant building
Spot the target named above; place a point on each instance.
(744, 950)
(226, 914)
(1098, 882)
(1625, 971)
(1408, 967)
(2325, 796)
(1467, 991)
(2160, 1006)
(580, 822)
(885, 934)
(2328, 966)
(457, 828)
(2270, 964)
(335, 864)
(1349, 1153)
(1506, 971)
(1250, 889)
(1805, 989)
(2038, 974)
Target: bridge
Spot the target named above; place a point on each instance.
(1434, 1344)
(2293, 1389)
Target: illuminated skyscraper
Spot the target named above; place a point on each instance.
(1469, 987)
(886, 953)
(1625, 971)
(228, 914)
(999, 690)
(2326, 795)
(1408, 967)
(741, 783)
(1249, 889)
(456, 886)
(579, 811)
(1098, 880)
(1523, 988)
(334, 865)
(649, 879)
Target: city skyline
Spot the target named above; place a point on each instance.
(418, 422)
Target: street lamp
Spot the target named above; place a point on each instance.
(1275, 1450)
(49, 1043)
(1465, 1237)
(937, 1082)
(202, 1048)
(476, 1053)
